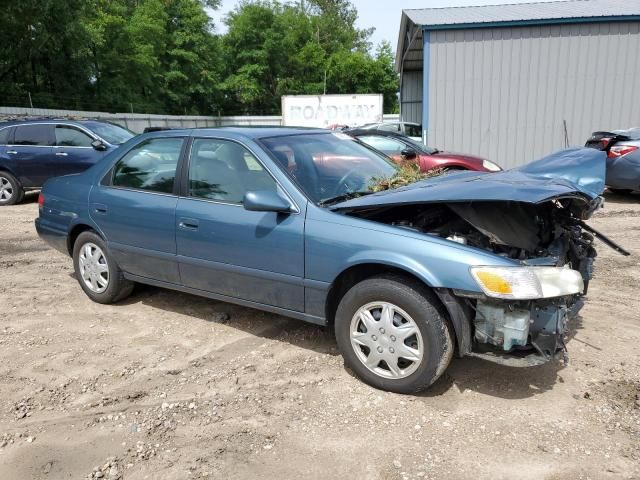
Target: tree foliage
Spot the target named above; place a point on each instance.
(164, 56)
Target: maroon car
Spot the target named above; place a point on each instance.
(401, 148)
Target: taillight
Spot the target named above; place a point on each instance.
(618, 151)
(40, 200)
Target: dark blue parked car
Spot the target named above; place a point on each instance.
(31, 152)
(283, 220)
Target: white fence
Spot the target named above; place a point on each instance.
(137, 122)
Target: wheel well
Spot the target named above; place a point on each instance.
(73, 235)
(6, 170)
(353, 275)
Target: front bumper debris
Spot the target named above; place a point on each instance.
(523, 333)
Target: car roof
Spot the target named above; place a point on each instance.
(381, 133)
(35, 121)
(252, 133)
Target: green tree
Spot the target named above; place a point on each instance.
(163, 56)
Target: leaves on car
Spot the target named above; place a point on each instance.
(407, 173)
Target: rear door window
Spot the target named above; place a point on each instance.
(413, 130)
(150, 166)
(34, 135)
(68, 136)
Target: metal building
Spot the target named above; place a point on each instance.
(515, 82)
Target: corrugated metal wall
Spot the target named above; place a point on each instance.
(411, 96)
(504, 93)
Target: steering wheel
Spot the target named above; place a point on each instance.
(344, 185)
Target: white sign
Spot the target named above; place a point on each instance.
(325, 111)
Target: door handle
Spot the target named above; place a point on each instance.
(11, 152)
(99, 208)
(188, 224)
(62, 154)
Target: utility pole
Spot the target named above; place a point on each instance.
(325, 81)
(30, 102)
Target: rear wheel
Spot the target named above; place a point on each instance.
(11, 192)
(620, 191)
(393, 335)
(97, 273)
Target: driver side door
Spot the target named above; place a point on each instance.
(227, 250)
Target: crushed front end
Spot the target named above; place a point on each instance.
(534, 217)
(524, 309)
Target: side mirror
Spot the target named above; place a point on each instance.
(409, 154)
(265, 201)
(98, 145)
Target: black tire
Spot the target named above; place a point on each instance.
(422, 306)
(12, 191)
(620, 191)
(117, 288)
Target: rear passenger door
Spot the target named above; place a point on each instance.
(73, 151)
(134, 207)
(32, 150)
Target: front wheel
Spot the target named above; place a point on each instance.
(97, 273)
(393, 334)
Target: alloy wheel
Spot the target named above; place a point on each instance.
(6, 189)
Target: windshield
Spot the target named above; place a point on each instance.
(329, 167)
(114, 134)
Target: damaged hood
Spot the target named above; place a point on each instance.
(573, 173)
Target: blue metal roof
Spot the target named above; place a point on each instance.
(522, 13)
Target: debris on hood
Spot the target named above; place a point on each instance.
(407, 173)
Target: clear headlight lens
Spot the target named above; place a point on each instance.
(527, 283)
(489, 165)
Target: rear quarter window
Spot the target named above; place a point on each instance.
(4, 135)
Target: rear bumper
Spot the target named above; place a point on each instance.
(52, 236)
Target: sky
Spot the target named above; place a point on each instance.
(384, 15)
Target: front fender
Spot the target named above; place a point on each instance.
(332, 247)
(393, 259)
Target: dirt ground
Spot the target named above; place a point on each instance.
(168, 385)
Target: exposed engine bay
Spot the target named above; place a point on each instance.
(544, 234)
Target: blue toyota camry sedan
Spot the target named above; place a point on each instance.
(284, 220)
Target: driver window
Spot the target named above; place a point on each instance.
(225, 171)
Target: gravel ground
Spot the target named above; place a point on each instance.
(168, 385)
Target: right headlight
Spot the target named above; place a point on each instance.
(527, 283)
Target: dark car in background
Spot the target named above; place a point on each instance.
(623, 158)
(33, 151)
(402, 148)
(410, 129)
